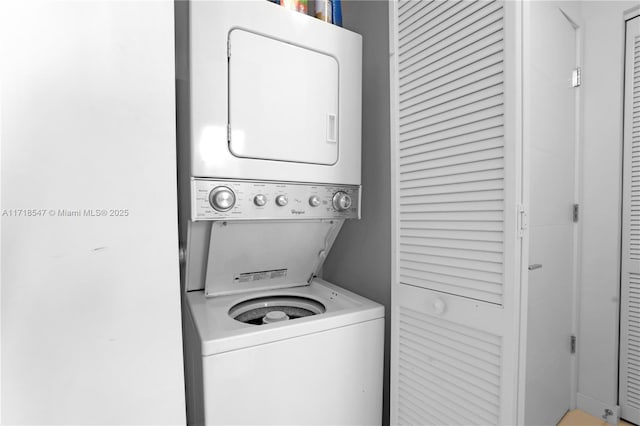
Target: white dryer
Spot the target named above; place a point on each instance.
(274, 94)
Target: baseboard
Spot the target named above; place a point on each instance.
(599, 409)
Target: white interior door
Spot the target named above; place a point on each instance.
(550, 138)
(455, 184)
(629, 397)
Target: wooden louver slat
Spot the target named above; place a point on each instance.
(451, 148)
(448, 374)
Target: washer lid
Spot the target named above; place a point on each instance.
(261, 255)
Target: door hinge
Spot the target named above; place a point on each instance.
(523, 220)
(576, 213)
(573, 344)
(229, 132)
(576, 77)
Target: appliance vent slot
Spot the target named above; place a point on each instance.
(633, 342)
(451, 147)
(448, 374)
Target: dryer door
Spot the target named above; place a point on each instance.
(283, 100)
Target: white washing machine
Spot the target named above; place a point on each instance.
(323, 366)
(269, 117)
(266, 341)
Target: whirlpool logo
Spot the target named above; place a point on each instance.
(294, 211)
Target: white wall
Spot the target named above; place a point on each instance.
(90, 305)
(360, 259)
(602, 171)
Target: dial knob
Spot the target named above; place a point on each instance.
(259, 200)
(341, 201)
(281, 200)
(314, 201)
(222, 198)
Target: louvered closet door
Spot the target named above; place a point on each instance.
(630, 300)
(456, 185)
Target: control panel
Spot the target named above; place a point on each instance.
(222, 199)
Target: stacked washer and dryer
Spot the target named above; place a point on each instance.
(269, 119)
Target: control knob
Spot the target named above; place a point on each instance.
(341, 201)
(259, 200)
(314, 201)
(281, 200)
(222, 198)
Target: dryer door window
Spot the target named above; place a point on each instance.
(283, 101)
